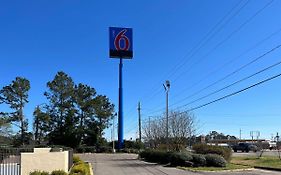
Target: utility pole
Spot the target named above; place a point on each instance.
(252, 135)
(149, 129)
(258, 135)
(113, 136)
(240, 133)
(167, 88)
(139, 110)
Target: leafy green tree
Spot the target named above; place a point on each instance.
(61, 110)
(77, 114)
(17, 139)
(40, 124)
(104, 112)
(214, 135)
(15, 96)
(5, 127)
(84, 98)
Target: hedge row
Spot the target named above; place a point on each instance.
(209, 149)
(56, 172)
(79, 168)
(93, 149)
(183, 159)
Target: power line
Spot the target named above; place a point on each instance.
(209, 35)
(227, 38)
(231, 61)
(202, 42)
(234, 93)
(232, 73)
(232, 84)
(225, 77)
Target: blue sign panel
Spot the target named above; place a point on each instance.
(120, 42)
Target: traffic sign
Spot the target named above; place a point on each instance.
(120, 42)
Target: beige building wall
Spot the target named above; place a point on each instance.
(44, 160)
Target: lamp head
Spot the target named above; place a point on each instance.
(168, 85)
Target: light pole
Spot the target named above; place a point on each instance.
(167, 86)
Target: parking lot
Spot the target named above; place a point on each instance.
(273, 153)
(128, 164)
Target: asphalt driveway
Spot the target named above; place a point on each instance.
(128, 164)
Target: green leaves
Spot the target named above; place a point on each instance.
(15, 96)
(76, 111)
(75, 114)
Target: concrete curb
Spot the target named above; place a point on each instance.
(91, 168)
(236, 170)
(264, 168)
(267, 168)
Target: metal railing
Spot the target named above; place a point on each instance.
(9, 161)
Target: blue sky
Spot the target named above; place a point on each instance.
(39, 38)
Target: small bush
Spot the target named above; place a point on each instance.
(155, 156)
(209, 149)
(80, 150)
(199, 160)
(130, 150)
(77, 160)
(80, 169)
(104, 149)
(39, 173)
(58, 172)
(215, 160)
(55, 149)
(180, 159)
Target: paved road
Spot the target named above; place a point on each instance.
(128, 164)
(273, 153)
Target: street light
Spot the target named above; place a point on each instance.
(167, 86)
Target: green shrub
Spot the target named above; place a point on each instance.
(56, 149)
(77, 160)
(80, 150)
(180, 159)
(45, 173)
(130, 150)
(215, 160)
(199, 160)
(58, 172)
(79, 169)
(86, 149)
(104, 149)
(90, 149)
(155, 156)
(209, 149)
(39, 173)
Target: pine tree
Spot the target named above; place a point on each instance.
(16, 96)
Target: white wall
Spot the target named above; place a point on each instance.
(44, 160)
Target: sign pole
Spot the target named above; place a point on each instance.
(121, 46)
(120, 110)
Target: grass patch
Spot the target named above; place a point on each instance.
(229, 166)
(267, 162)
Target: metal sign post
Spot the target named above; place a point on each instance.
(121, 46)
